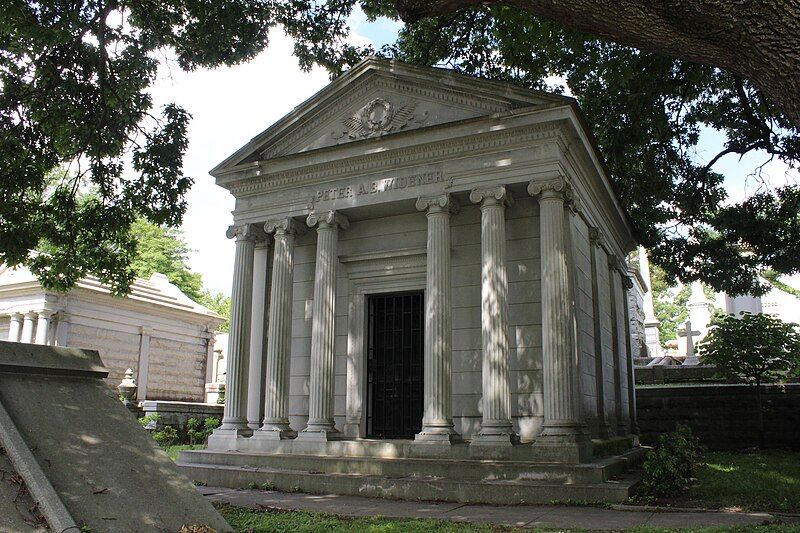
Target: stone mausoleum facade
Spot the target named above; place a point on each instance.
(428, 265)
(157, 331)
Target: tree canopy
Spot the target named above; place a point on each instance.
(75, 78)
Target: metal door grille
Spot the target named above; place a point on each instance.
(394, 365)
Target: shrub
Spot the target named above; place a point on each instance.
(197, 433)
(671, 463)
(754, 349)
(166, 436)
(150, 421)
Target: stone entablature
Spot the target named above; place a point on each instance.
(499, 213)
(165, 337)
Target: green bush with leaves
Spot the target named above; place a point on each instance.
(754, 349)
(166, 436)
(671, 464)
(198, 433)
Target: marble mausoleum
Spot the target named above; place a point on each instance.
(428, 266)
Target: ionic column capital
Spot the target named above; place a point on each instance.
(246, 232)
(558, 187)
(45, 313)
(491, 196)
(284, 226)
(442, 203)
(30, 315)
(328, 219)
(15, 315)
(596, 237)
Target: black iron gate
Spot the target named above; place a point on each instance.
(394, 365)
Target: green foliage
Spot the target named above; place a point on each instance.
(220, 304)
(166, 436)
(150, 421)
(198, 433)
(647, 113)
(768, 481)
(671, 463)
(755, 348)
(162, 249)
(772, 277)
(76, 79)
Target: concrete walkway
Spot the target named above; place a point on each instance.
(529, 516)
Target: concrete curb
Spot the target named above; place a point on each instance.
(662, 509)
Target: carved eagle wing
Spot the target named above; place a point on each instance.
(402, 116)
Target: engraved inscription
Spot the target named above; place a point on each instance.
(377, 186)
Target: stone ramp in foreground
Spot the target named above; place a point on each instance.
(83, 456)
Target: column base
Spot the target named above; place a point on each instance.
(320, 433)
(437, 434)
(255, 426)
(495, 439)
(225, 439)
(563, 448)
(274, 433)
(495, 433)
(352, 429)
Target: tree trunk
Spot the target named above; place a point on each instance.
(756, 39)
(759, 402)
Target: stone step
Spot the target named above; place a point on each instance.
(426, 488)
(467, 470)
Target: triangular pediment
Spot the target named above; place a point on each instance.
(377, 98)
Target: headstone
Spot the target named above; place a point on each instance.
(689, 334)
(84, 458)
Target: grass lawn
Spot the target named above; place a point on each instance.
(272, 520)
(172, 451)
(247, 520)
(767, 481)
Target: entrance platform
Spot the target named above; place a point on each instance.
(401, 470)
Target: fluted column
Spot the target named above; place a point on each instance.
(603, 426)
(15, 327)
(563, 432)
(628, 367)
(43, 326)
(320, 398)
(27, 328)
(616, 350)
(255, 378)
(651, 323)
(496, 427)
(279, 333)
(437, 420)
(235, 415)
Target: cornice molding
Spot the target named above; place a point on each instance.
(427, 152)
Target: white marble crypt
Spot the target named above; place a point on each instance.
(488, 200)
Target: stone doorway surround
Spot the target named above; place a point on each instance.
(372, 273)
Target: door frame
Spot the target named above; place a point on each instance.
(396, 271)
(367, 399)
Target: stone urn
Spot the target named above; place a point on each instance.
(127, 389)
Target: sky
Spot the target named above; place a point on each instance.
(231, 105)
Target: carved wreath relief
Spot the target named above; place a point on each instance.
(378, 118)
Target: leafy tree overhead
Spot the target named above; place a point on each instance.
(162, 249)
(757, 40)
(75, 79)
